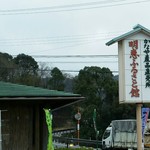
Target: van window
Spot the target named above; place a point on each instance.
(106, 134)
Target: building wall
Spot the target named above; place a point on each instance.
(20, 126)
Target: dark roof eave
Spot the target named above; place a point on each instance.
(43, 98)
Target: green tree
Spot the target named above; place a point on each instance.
(100, 89)
(56, 81)
(26, 70)
(6, 67)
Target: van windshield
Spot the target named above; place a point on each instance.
(106, 134)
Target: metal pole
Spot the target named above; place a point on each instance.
(78, 128)
(139, 126)
(0, 130)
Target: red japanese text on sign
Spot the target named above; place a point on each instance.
(134, 55)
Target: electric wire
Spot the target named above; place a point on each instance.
(48, 70)
(77, 62)
(75, 36)
(62, 6)
(63, 47)
(36, 43)
(62, 38)
(52, 42)
(74, 62)
(75, 40)
(72, 56)
(77, 7)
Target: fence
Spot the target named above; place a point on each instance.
(79, 142)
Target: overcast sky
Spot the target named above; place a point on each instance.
(69, 27)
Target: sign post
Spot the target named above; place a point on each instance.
(134, 71)
(139, 125)
(78, 117)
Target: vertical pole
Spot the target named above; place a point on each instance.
(78, 117)
(139, 126)
(78, 128)
(0, 131)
